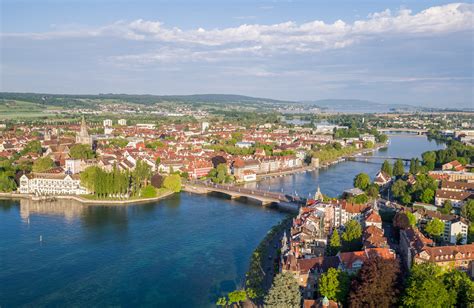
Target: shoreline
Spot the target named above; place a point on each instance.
(309, 168)
(185, 188)
(15, 196)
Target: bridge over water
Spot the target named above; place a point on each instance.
(367, 157)
(235, 192)
(413, 131)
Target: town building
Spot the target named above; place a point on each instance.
(382, 179)
(107, 123)
(83, 136)
(457, 198)
(48, 184)
(455, 227)
(459, 257)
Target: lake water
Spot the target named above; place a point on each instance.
(186, 250)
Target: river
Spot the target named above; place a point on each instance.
(185, 250)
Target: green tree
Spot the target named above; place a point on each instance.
(382, 138)
(435, 228)
(237, 296)
(467, 210)
(81, 151)
(411, 218)
(334, 284)
(284, 292)
(373, 191)
(362, 181)
(425, 287)
(414, 166)
(148, 192)
(360, 199)
(140, 176)
(172, 182)
(352, 235)
(405, 199)
(429, 159)
(7, 183)
(222, 301)
(43, 164)
(88, 178)
(427, 196)
(334, 243)
(32, 147)
(447, 207)
(387, 168)
(251, 293)
(460, 288)
(398, 168)
(399, 188)
(220, 174)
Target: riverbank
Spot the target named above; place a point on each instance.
(343, 158)
(83, 200)
(264, 260)
(323, 164)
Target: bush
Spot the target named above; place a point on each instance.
(148, 192)
(172, 182)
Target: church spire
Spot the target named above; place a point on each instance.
(318, 195)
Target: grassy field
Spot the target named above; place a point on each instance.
(11, 109)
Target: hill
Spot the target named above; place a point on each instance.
(69, 100)
(359, 106)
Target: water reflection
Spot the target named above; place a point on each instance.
(100, 217)
(69, 209)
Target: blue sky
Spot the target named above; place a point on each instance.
(406, 52)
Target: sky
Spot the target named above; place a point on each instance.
(395, 52)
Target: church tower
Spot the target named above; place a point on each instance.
(83, 136)
(318, 195)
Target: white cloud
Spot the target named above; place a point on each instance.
(175, 44)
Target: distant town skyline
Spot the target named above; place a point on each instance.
(394, 52)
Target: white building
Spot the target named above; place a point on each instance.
(107, 122)
(454, 227)
(368, 137)
(122, 122)
(47, 184)
(204, 127)
(73, 166)
(108, 130)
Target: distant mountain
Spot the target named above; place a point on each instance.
(359, 106)
(146, 99)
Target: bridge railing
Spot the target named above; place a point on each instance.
(247, 191)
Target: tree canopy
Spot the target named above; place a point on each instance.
(352, 235)
(284, 292)
(42, 164)
(334, 243)
(81, 151)
(376, 284)
(398, 168)
(362, 181)
(334, 284)
(468, 210)
(172, 182)
(425, 287)
(435, 227)
(387, 168)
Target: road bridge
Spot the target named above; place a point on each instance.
(416, 131)
(367, 157)
(235, 192)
